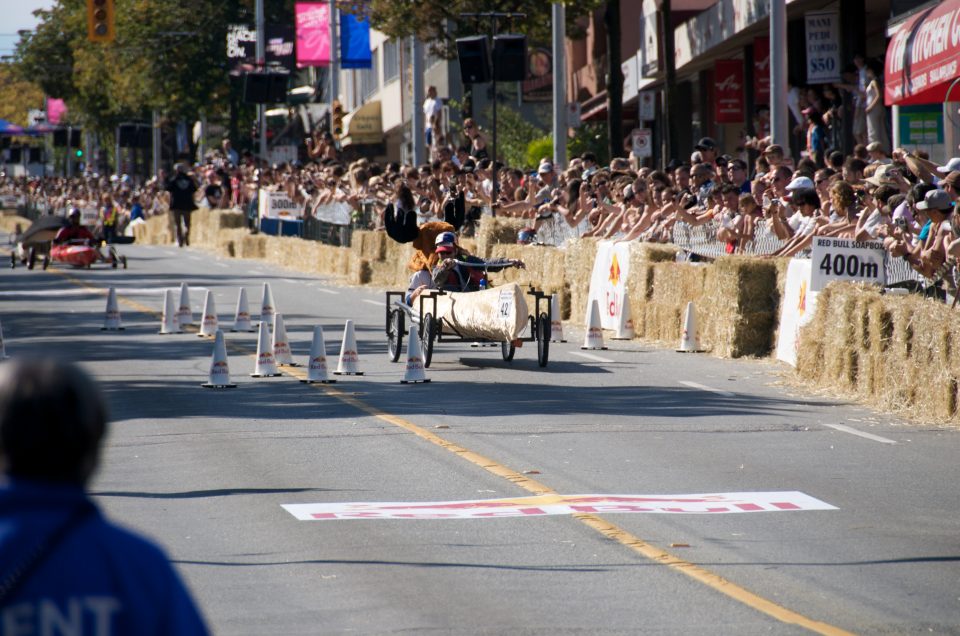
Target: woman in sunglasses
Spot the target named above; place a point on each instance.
(478, 143)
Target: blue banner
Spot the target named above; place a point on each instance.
(354, 42)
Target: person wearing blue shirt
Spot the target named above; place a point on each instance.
(64, 568)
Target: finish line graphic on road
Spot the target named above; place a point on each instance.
(715, 503)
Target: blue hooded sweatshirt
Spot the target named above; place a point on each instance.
(98, 579)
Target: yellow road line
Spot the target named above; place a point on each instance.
(599, 524)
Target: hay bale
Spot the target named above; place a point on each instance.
(494, 231)
(9, 223)
(740, 293)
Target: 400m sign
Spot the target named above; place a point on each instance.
(845, 259)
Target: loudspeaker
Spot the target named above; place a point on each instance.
(35, 156)
(15, 155)
(128, 136)
(277, 90)
(265, 88)
(60, 138)
(76, 138)
(474, 56)
(256, 86)
(510, 58)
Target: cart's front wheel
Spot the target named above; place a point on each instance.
(508, 349)
(428, 333)
(543, 339)
(395, 334)
(32, 258)
(46, 261)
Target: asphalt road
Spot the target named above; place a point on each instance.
(206, 473)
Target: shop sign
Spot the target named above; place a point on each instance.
(823, 47)
(728, 91)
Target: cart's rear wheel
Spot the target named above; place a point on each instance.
(32, 258)
(395, 334)
(543, 339)
(428, 333)
(123, 261)
(46, 261)
(13, 260)
(508, 349)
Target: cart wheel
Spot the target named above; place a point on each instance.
(13, 260)
(32, 258)
(508, 349)
(543, 339)
(395, 334)
(46, 261)
(428, 332)
(123, 261)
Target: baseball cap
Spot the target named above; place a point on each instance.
(445, 241)
(800, 183)
(706, 143)
(545, 168)
(936, 200)
(953, 164)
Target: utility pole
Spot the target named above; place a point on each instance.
(334, 55)
(261, 66)
(419, 141)
(155, 142)
(669, 101)
(611, 19)
(779, 118)
(559, 86)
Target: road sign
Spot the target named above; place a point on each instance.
(573, 114)
(642, 142)
(647, 105)
(847, 260)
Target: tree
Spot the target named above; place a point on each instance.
(17, 96)
(438, 22)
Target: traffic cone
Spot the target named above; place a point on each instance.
(593, 338)
(267, 309)
(111, 321)
(184, 313)
(219, 371)
(625, 322)
(281, 345)
(690, 339)
(169, 323)
(3, 352)
(317, 364)
(209, 324)
(266, 366)
(556, 322)
(348, 362)
(414, 371)
(241, 321)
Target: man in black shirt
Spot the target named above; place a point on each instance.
(182, 188)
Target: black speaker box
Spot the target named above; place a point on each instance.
(510, 58)
(474, 56)
(256, 87)
(128, 136)
(60, 138)
(277, 91)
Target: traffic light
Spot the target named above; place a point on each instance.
(78, 153)
(337, 128)
(100, 18)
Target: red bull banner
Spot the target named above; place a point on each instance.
(761, 70)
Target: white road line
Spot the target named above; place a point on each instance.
(590, 356)
(853, 431)
(327, 291)
(703, 387)
(291, 281)
(219, 264)
(378, 303)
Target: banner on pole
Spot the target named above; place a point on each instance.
(608, 281)
(761, 70)
(355, 42)
(728, 87)
(313, 33)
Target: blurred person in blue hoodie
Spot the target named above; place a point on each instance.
(63, 567)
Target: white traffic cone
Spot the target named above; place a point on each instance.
(414, 371)
(281, 345)
(219, 371)
(209, 324)
(241, 321)
(625, 321)
(3, 351)
(266, 366)
(556, 322)
(184, 313)
(267, 308)
(593, 338)
(317, 364)
(690, 338)
(348, 364)
(111, 320)
(169, 323)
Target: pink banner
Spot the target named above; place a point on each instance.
(56, 109)
(313, 33)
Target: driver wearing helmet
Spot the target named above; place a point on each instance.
(74, 231)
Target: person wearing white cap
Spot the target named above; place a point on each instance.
(800, 183)
(953, 164)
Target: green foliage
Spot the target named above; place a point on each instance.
(438, 22)
(538, 149)
(590, 137)
(514, 134)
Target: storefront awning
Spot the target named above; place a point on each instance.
(364, 125)
(923, 57)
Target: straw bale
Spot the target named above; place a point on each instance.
(9, 223)
(253, 246)
(496, 231)
(741, 296)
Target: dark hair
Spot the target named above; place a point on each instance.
(405, 197)
(52, 420)
(835, 159)
(855, 165)
(806, 197)
(883, 193)
(916, 193)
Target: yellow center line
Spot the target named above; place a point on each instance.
(609, 530)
